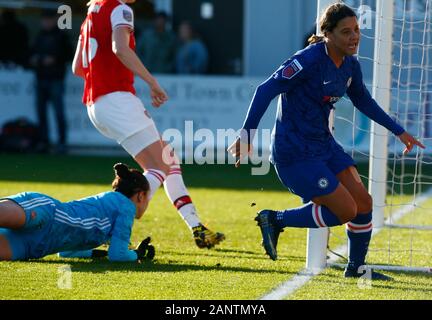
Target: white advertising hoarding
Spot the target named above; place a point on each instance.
(196, 103)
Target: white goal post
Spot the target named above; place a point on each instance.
(381, 92)
(317, 239)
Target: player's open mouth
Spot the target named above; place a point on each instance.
(353, 47)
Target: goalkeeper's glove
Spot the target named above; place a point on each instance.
(145, 250)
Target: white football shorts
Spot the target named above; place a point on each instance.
(122, 116)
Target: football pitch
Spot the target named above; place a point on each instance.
(237, 269)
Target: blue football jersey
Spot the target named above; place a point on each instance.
(308, 84)
(87, 223)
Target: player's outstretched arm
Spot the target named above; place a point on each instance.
(264, 94)
(363, 101)
(77, 67)
(120, 47)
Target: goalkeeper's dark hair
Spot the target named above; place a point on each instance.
(330, 19)
(129, 181)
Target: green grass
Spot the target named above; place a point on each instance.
(237, 269)
(389, 246)
(330, 286)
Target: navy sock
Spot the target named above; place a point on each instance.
(308, 216)
(359, 232)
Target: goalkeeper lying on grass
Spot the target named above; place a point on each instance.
(33, 225)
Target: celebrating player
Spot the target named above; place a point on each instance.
(106, 59)
(33, 225)
(307, 159)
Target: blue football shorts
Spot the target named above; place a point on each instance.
(28, 242)
(312, 178)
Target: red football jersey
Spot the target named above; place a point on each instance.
(104, 72)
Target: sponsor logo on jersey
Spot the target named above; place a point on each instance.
(291, 70)
(127, 15)
(329, 99)
(323, 183)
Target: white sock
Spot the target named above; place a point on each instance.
(155, 179)
(179, 196)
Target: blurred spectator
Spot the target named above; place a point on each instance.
(192, 55)
(14, 35)
(49, 56)
(156, 47)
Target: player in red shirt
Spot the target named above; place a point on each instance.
(105, 58)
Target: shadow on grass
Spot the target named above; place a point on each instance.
(103, 265)
(325, 280)
(391, 284)
(235, 254)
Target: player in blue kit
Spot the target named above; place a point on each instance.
(33, 225)
(308, 160)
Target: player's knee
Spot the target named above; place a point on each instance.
(365, 205)
(165, 168)
(350, 212)
(348, 217)
(161, 166)
(5, 256)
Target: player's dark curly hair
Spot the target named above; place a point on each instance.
(330, 19)
(129, 181)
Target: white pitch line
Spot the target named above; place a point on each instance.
(305, 275)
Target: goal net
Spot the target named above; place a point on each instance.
(396, 58)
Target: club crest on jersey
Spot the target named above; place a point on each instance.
(127, 15)
(291, 70)
(323, 183)
(349, 82)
